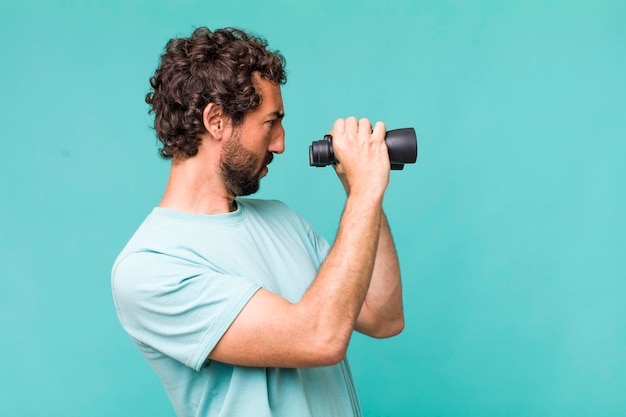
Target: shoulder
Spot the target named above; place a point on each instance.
(142, 272)
(153, 256)
(271, 210)
(265, 206)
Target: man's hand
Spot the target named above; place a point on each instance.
(362, 154)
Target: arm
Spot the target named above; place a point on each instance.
(272, 332)
(382, 314)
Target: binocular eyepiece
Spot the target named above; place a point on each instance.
(401, 143)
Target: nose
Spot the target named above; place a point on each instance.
(277, 144)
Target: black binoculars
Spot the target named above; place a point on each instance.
(401, 143)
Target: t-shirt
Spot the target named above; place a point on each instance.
(182, 280)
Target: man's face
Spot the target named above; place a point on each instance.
(250, 148)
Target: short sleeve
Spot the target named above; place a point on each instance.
(175, 306)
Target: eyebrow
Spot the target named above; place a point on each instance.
(277, 114)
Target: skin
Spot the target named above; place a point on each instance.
(357, 287)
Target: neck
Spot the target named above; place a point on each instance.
(194, 188)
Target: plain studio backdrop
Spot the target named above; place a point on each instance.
(510, 228)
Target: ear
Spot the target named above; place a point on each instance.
(214, 120)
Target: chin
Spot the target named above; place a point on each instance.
(248, 189)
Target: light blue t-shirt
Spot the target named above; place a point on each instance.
(182, 280)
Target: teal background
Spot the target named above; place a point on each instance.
(510, 228)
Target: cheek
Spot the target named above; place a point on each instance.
(265, 140)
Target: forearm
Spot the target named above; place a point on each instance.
(382, 313)
(338, 292)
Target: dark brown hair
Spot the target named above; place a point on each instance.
(208, 67)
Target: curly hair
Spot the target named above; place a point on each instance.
(208, 67)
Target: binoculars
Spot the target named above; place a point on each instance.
(401, 143)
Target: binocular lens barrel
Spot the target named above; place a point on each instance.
(321, 152)
(401, 144)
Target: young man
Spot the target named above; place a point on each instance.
(238, 305)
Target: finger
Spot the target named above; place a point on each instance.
(352, 125)
(339, 126)
(379, 131)
(365, 127)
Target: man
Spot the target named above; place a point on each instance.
(238, 305)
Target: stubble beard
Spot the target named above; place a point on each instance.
(238, 169)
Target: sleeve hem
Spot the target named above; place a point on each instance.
(206, 344)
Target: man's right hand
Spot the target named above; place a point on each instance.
(363, 157)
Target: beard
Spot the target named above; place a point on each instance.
(238, 169)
